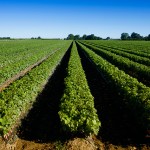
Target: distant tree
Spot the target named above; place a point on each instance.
(136, 36)
(5, 38)
(148, 37)
(99, 38)
(90, 37)
(39, 37)
(124, 36)
(108, 38)
(77, 37)
(84, 37)
(70, 37)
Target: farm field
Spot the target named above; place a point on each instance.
(134, 46)
(63, 94)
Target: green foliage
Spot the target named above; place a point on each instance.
(133, 57)
(132, 51)
(123, 63)
(77, 112)
(18, 55)
(136, 93)
(134, 36)
(84, 37)
(19, 96)
(140, 48)
(70, 37)
(124, 36)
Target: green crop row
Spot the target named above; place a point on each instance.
(15, 50)
(16, 67)
(139, 53)
(138, 59)
(141, 71)
(137, 46)
(77, 112)
(33, 55)
(136, 95)
(19, 96)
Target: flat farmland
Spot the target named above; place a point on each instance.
(85, 94)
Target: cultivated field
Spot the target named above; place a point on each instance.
(62, 94)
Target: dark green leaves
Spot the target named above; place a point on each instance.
(77, 112)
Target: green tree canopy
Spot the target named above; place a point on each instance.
(76, 37)
(84, 37)
(136, 36)
(124, 36)
(70, 37)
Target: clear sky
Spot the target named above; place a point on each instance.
(58, 18)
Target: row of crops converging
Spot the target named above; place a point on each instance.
(81, 90)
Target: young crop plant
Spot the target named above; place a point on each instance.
(140, 71)
(133, 57)
(77, 112)
(130, 51)
(13, 61)
(21, 94)
(136, 95)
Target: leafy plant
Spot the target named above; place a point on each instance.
(21, 94)
(77, 112)
(136, 93)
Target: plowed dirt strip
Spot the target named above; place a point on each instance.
(23, 72)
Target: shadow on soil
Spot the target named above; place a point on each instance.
(118, 124)
(42, 124)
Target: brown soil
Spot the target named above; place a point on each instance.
(72, 144)
(20, 144)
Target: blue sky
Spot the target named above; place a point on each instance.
(58, 18)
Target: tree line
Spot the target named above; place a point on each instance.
(134, 36)
(84, 37)
(5, 38)
(124, 36)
